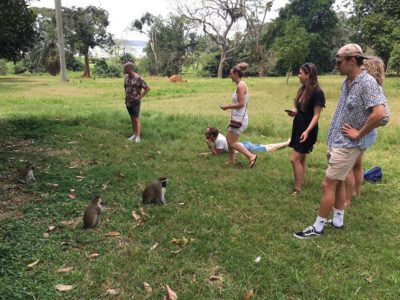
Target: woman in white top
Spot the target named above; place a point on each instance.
(240, 100)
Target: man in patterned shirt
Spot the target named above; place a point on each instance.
(134, 84)
(360, 109)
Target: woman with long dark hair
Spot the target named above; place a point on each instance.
(306, 111)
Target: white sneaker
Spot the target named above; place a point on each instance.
(132, 138)
(137, 139)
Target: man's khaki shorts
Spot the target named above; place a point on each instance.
(341, 161)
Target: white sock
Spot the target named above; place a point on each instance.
(338, 217)
(319, 223)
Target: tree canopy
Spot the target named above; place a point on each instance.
(17, 32)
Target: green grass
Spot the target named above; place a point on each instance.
(230, 215)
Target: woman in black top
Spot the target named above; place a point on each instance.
(307, 108)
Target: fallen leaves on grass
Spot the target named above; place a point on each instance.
(45, 235)
(181, 243)
(32, 265)
(94, 255)
(140, 219)
(70, 222)
(52, 185)
(105, 185)
(112, 234)
(65, 270)
(181, 203)
(113, 291)
(154, 246)
(147, 288)
(64, 287)
(51, 228)
(71, 196)
(216, 278)
(170, 294)
(258, 259)
(248, 295)
(136, 216)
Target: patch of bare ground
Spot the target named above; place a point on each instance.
(12, 197)
(28, 146)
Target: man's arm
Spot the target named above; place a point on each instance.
(377, 115)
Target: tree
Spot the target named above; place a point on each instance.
(319, 19)
(394, 61)
(17, 33)
(293, 46)
(255, 12)
(144, 26)
(378, 25)
(87, 28)
(217, 18)
(170, 41)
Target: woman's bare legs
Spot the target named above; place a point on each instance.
(232, 139)
(298, 161)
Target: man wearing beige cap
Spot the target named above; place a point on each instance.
(360, 109)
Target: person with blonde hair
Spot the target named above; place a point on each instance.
(376, 68)
(239, 117)
(360, 109)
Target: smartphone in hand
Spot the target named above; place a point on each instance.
(289, 111)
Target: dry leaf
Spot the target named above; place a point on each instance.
(51, 228)
(158, 152)
(112, 234)
(368, 278)
(182, 242)
(142, 212)
(181, 203)
(248, 295)
(113, 291)
(94, 255)
(169, 294)
(105, 185)
(147, 288)
(258, 259)
(71, 222)
(53, 184)
(154, 246)
(216, 278)
(80, 177)
(176, 251)
(135, 216)
(65, 270)
(32, 265)
(45, 235)
(71, 196)
(63, 287)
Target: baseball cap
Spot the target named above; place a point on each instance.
(350, 50)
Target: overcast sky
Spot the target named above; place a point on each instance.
(123, 12)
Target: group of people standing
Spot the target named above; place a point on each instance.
(362, 107)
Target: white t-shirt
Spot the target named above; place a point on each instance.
(220, 143)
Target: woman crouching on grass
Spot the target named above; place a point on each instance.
(307, 108)
(239, 118)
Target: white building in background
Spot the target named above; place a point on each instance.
(136, 48)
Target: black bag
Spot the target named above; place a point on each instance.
(235, 123)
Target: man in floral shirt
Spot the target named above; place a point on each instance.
(360, 109)
(134, 85)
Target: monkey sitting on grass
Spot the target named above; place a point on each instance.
(154, 193)
(26, 174)
(91, 217)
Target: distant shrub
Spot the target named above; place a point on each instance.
(3, 67)
(20, 68)
(104, 69)
(124, 58)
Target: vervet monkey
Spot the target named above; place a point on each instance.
(154, 193)
(91, 217)
(26, 174)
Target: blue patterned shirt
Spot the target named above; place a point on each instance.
(354, 108)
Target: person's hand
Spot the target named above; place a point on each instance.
(170, 294)
(304, 136)
(350, 132)
(224, 107)
(292, 113)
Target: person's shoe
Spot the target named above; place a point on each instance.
(295, 192)
(308, 233)
(137, 139)
(330, 222)
(132, 138)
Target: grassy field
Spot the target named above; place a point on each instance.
(219, 218)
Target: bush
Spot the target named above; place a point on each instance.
(104, 69)
(126, 57)
(20, 68)
(3, 67)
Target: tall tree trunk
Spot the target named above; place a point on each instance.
(261, 61)
(221, 63)
(86, 74)
(287, 74)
